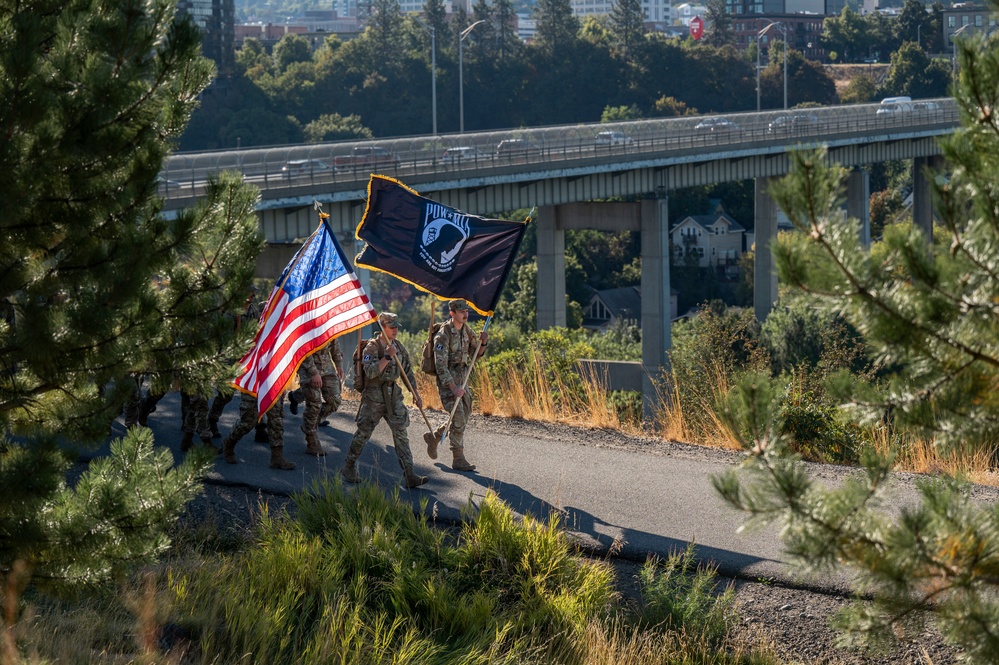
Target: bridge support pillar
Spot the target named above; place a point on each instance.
(858, 202)
(922, 204)
(551, 269)
(764, 275)
(656, 322)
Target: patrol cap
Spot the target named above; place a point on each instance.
(388, 319)
(456, 305)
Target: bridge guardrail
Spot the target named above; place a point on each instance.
(185, 173)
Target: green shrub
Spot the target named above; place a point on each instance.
(679, 595)
(816, 432)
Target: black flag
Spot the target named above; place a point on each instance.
(434, 247)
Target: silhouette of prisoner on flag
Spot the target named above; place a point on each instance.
(434, 247)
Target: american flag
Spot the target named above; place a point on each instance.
(317, 298)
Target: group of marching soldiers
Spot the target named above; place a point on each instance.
(385, 363)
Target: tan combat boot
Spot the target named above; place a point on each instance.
(229, 451)
(278, 461)
(460, 463)
(413, 480)
(349, 471)
(432, 439)
(312, 445)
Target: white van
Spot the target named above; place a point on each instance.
(894, 105)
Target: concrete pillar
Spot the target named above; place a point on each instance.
(922, 209)
(551, 269)
(764, 275)
(656, 324)
(858, 202)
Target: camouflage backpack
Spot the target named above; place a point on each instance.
(428, 363)
(358, 358)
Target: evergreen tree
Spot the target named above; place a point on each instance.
(627, 21)
(928, 311)
(557, 28)
(435, 15)
(504, 17)
(719, 32)
(97, 286)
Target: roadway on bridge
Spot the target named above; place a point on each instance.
(640, 497)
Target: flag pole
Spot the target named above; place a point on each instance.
(464, 382)
(405, 380)
(475, 356)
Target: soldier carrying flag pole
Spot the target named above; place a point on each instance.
(453, 256)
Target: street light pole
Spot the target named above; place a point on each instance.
(461, 82)
(433, 69)
(783, 29)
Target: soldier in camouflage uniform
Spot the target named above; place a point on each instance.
(248, 420)
(319, 376)
(249, 316)
(454, 345)
(382, 398)
(196, 422)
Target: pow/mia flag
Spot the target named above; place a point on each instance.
(434, 247)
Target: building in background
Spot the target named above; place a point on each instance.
(216, 19)
(657, 12)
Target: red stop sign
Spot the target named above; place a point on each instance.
(697, 27)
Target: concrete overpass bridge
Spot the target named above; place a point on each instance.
(567, 170)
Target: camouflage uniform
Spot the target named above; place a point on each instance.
(453, 351)
(222, 398)
(320, 402)
(195, 416)
(248, 421)
(382, 398)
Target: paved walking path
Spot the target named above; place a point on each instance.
(632, 502)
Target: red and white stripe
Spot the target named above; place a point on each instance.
(292, 329)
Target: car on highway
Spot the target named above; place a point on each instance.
(517, 148)
(891, 106)
(465, 153)
(298, 167)
(716, 125)
(166, 183)
(613, 138)
(793, 123)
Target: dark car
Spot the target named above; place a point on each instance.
(716, 125)
(793, 123)
(517, 148)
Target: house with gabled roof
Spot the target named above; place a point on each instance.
(608, 306)
(715, 239)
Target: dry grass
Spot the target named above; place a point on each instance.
(918, 455)
(529, 396)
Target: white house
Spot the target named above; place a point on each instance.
(716, 240)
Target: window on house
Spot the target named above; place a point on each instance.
(978, 20)
(951, 22)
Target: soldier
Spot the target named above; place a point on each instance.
(195, 421)
(383, 359)
(319, 376)
(249, 316)
(454, 345)
(248, 420)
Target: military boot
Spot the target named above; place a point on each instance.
(208, 443)
(186, 441)
(261, 435)
(432, 440)
(312, 445)
(460, 463)
(278, 461)
(229, 451)
(413, 480)
(349, 471)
